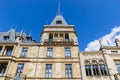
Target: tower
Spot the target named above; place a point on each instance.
(59, 46)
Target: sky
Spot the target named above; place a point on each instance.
(94, 20)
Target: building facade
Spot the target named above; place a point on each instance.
(56, 56)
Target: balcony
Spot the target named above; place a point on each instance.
(58, 42)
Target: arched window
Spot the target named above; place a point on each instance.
(88, 68)
(103, 69)
(95, 68)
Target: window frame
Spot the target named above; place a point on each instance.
(48, 71)
(3, 68)
(49, 53)
(9, 50)
(95, 69)
(88, 70)
(68, 71)
(24, 52)
(67, 52)
(103, 69)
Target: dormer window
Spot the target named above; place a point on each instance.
(59, 22)
(6, 38)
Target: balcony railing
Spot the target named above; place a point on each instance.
(58, 41)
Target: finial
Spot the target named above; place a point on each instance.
(21, 33)
(59, 7)
(30, 33)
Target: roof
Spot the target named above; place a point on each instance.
(59, 21)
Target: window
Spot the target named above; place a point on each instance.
(24, 52)
(95, 70)
(68, 71)
(19, 69)
(114, 52)
(61, 35)
(103, 69)
(28, 39)
(50, 37)
(67, 53)
(9, 51)
(48, 71)
(49, 52)
(66, 37)
(0, 49)
(88, 70)
(59, 22)
(6, 38)
(118, 67)
(3, 67)
(55, 35)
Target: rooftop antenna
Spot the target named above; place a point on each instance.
(59, 7)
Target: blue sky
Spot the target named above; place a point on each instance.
(92, 18)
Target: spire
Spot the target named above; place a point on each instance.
(21, 33)
(59, 7)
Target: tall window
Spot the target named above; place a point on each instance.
(50, 37)
(19, 69)
(49, 52)
(3, 67)
(68, 71)
(24, 52)
(9, 51)
(88, 70)
(48, 71)
(0, 49)
(67, 53)
(95, 69)
(103, 69)
(118, 67)
(66, 37)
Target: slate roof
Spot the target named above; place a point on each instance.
(11, 35)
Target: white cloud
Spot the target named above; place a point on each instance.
(106, 40)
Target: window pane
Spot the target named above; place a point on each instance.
(95, 70)
(9, 51)
(24, 52)
(48, 70)
(50, 37)
(3, 67)
(67, 52)
(103, 69)
(88, 70)
(68, 70)
(49, 52)
(118, 67)
(0, 49)
(66, 37)
(19, 69)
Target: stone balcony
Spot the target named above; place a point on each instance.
(59, 42)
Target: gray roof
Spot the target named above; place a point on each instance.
(11, 35)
